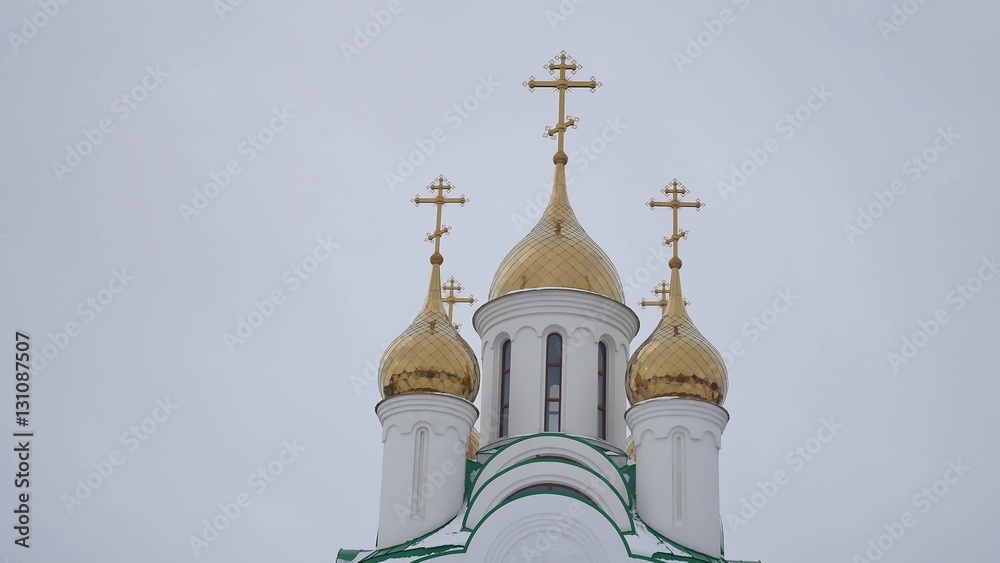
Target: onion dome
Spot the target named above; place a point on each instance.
(430, 356)
(558, 253)
(473, 444)
(676, 360)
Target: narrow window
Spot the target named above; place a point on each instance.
(551, 488)
(602, 391)
(553, 382)
(417, 492)
(505, 390)
(680, 478)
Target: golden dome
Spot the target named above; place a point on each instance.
(558, 253)
(676, 360)
(473, 443)
(430, 356)
(630, 447)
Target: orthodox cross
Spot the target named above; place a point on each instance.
(662, 290)
(442, 187)
(675, 189)
(453, 287)
(562, 83)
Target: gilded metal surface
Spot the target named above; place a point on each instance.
(630, 447)
(430, 355)
(561, 84)
(558, 253)
(676, 360)
(674, 190)
(442, 187)
(661, 291)
(473, 444)
(453, 287)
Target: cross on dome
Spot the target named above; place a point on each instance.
(675, 189)
(453, 287)
(662, 290)
(442, 187)
(561, 84)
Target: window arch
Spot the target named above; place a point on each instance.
(504, 390)
(418, 496)
(602, 391)
(551, 488)
(553, 382)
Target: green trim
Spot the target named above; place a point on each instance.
(514, 499)
(628, 475)
(472, 467)
(506, 470)
(348, 554)
(560, 435)
(428, 553)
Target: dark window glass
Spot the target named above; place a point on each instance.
(552, 488)
(505, 389)
(602, 391)
(553, 382)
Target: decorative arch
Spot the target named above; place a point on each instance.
(572, 450)
(501, 487)
(570, 525)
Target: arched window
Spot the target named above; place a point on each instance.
(553, 382)
(602, 391)
(418, 497)
(505, 390)
(551, 488)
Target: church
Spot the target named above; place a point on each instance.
(560, 469)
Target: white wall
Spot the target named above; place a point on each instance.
(677, 443)
(425, 440)
(583, 319)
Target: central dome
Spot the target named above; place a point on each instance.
(558, 253)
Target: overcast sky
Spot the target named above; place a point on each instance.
(121, 259)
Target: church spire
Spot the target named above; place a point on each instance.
(430, 356)
(561, 84)
(442, 187)
(558, 252)
(675, 360)
(674, 190)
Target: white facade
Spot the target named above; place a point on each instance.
(425, 440)
(584, 320)
(504, 523)
(677, 443)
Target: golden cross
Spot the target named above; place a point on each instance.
(562, 83)
(441, 187)
(662, 290)
(675, 189)
(453, 287)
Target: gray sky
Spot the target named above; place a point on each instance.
(326, 123)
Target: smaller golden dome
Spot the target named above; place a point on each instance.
(473, 443)
(430, 356)
(630, 447)
(676, 360)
